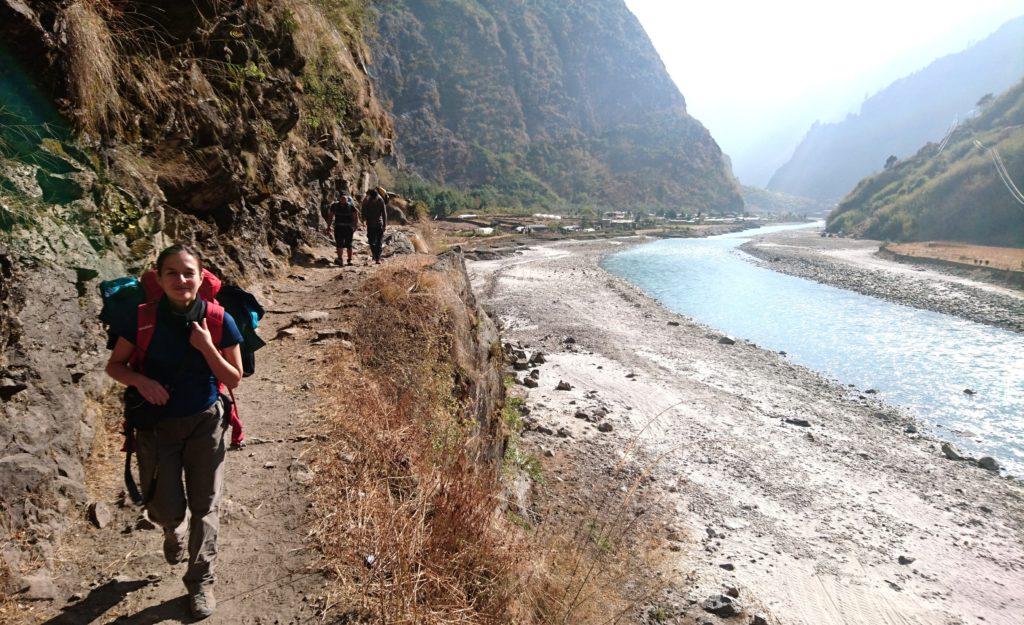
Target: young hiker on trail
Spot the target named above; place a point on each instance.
(375, 215)
(345, 217)
(179, 379)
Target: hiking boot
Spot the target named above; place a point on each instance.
(339, 262)
(174, 547)
(202, 603)
(350, 262)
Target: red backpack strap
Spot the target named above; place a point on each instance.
(144, 333)
(215, 322)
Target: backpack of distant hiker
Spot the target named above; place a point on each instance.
(127, 297)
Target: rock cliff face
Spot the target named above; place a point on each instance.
(123, 126)
(544, 103)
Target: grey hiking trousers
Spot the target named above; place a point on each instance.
(192, 445)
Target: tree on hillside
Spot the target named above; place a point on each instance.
(588, 216)
(985, 100)
(889, 162)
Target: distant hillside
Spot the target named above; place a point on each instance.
(902, 117)
(543, 103)
(956, 194)
(762, 201)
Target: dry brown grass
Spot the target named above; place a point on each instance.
(401, 481)
(408, 514)
(92, 66)
(1004, 258)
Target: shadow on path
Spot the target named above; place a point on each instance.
(97, 602)
(173, 611)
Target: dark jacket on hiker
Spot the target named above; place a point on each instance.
(375, 211)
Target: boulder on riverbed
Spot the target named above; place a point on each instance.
(722, 605)
(989, 464)
(951, 452)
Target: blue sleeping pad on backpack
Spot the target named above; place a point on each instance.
(121, 299)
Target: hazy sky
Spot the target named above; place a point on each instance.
(748, 68)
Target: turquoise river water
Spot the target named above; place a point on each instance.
(916, 359)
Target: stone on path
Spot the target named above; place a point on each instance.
(99, 514)
(725, 340)
(286, 332)
(804, 423)
(311, 316)
(563, 386)
(605, 427)
(38, 586)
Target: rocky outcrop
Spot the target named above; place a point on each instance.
(127, 125)
(544, 103)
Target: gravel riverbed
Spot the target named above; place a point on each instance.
(818, 503)
(853, 265)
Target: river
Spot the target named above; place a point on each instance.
(917, 359)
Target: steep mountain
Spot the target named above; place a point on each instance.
(902, 117)
(125, 125)
(760, 201)
(962, 191)
(543, 103)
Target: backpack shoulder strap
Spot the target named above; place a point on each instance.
(144, 333)
(215, 322)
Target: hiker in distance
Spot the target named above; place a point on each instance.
(178, 368)
(375, 216)
(345, 217)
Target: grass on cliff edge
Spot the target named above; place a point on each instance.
(408, 501)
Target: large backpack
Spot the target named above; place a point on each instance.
(125, 297)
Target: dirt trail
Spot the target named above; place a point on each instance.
(265, 573)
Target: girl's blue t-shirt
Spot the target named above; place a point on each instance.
(173, 362)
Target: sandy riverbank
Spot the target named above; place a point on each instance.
(810, 522)
(853, 264)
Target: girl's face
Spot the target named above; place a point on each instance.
(180, 278)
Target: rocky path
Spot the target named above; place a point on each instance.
(814, 502)
(265, 573)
